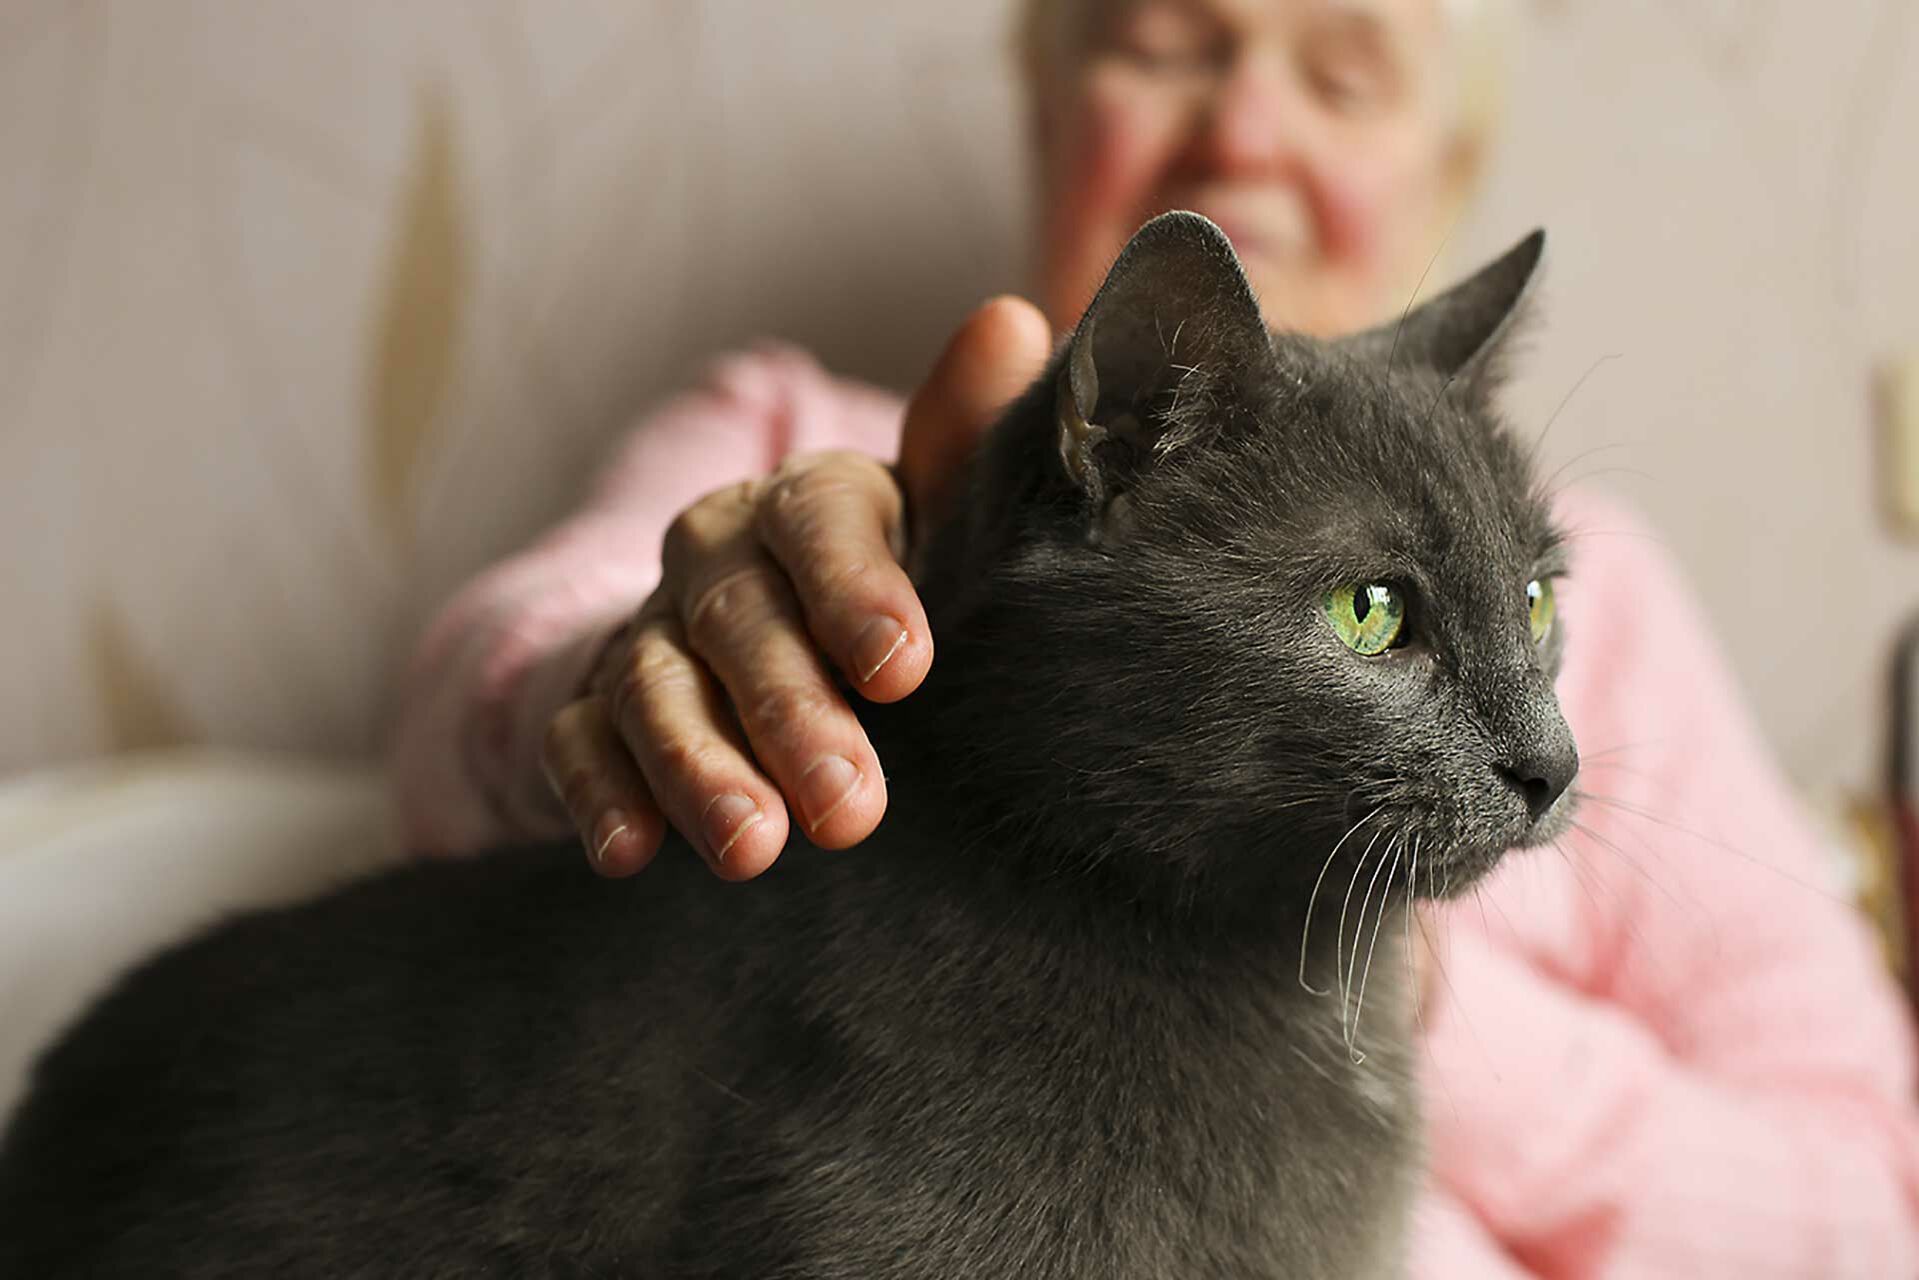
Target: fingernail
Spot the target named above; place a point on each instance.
(726, 819)
(825, 786)
(878, 641)
(606, 831)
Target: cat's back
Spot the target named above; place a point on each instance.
(512, 1067)
(431, 1073)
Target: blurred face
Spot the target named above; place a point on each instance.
(1317, 133)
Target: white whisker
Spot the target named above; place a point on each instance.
(1379, 922)
(1721, 846)
(1306, 930)
(1412, 967)
(1339, 938)
(1359, 929)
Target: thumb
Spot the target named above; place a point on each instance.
(999, 349)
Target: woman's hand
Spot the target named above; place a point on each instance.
(713, 709)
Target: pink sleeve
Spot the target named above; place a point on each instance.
(1669, 1048)
(513, 645)
(1450, 1243)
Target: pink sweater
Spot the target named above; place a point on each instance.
(1670, 1051)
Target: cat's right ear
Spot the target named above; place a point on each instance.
(1174, 318)
(1459, 334)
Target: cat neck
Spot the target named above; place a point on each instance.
(976, 805)
(1332, 959)
(999, 836)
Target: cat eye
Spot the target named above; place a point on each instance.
(1540, 608)
(1368, 617)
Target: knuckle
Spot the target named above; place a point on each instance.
(796, 497)
(576, 793)
(839, 574)
(568, 720)
(567, 756)
(567, 732)
(679, 760)
(787, 709)
(652, 673)
(553, 743)
(682, 530)
(731, 606)
(829, 556)
(613, 658)
(683, 541)
(707, 523)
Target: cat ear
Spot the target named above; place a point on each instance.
(1459, 333)
(1174, 315)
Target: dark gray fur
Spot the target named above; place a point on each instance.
(1050, 1021)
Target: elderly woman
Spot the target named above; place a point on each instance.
(1662, 1053)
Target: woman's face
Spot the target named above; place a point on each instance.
(1317, 133)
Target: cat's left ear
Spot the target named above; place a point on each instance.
(1174, 321)
(1459, 334)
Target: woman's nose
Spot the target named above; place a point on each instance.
(1257, 120)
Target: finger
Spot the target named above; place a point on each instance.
(832, 521)
(671, 717)
(594, 775)
(994, 356)
(743, 623)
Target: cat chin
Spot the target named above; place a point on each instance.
(1556, 822)
(1459, 872)
(1466, 865)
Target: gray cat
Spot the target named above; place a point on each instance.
(1244, 641)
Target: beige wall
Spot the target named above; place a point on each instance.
(312, 309)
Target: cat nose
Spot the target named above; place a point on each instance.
(1541, 777)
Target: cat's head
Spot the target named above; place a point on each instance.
(1221, 602)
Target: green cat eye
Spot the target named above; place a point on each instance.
(1540, 608)
(1368, 616)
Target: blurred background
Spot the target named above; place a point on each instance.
(312, 310)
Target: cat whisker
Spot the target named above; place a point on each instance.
(1379, 922)
(1532, 454)
(1719, 845)
(1620, 470)
(1547, 485)
(1359, 929)
(1444, 387)
(1338, 941)
(1613, 848)
(1306, 929)
(1578, 874)
(1412, 891)
(1579, 535)
(1621, 766)
(1618, 747)
(726, 1089)
(1418, 284)
(1582, 875)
